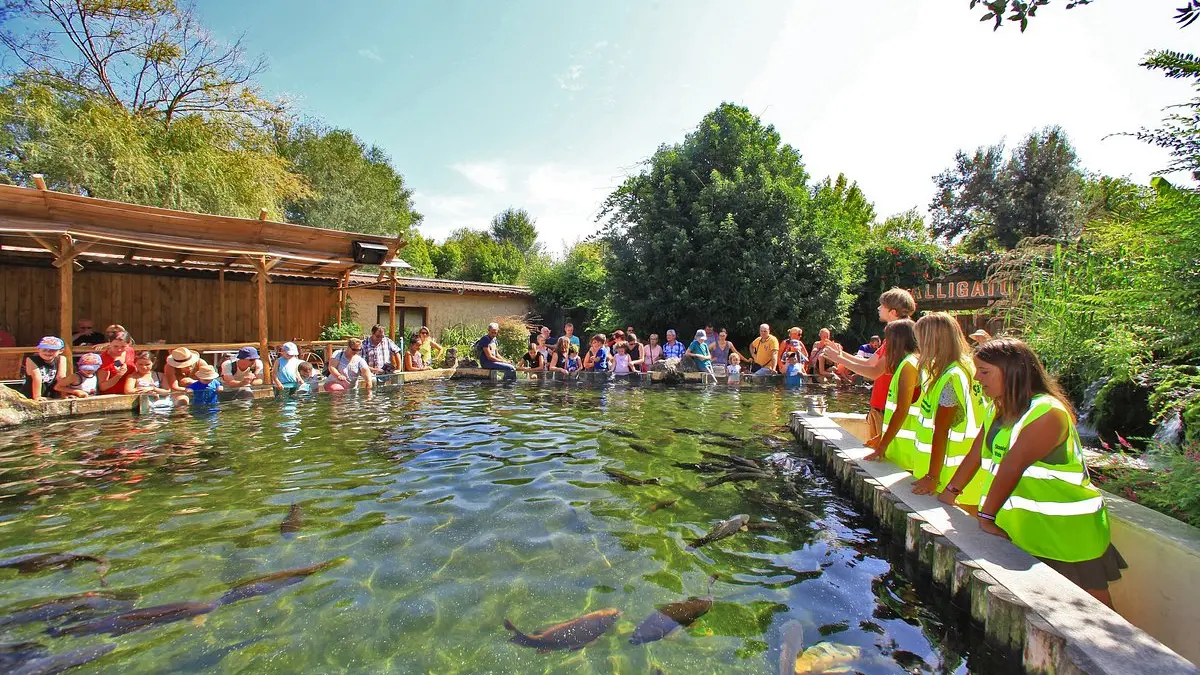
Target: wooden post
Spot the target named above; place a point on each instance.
(221, 336)
(263, 266)
(343, 292)
(65, 260)
(392, 310)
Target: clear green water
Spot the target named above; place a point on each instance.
(452, 506)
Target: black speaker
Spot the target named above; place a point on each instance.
(366, 253)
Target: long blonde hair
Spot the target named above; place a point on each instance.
(941, 342)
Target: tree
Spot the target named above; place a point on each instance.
(906, 226)
(516, 227)
(1024, 10)
(149, 57)
(480, 257)
(1180, 133)
(447, 259)
(417, 254)
(988, 203)
(355, 188)
(721, 228)
(575, 289)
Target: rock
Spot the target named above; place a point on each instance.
(672, 373)
(16, 409)
(467, 363)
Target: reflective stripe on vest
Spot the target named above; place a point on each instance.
(1054, 511)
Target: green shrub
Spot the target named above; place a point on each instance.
(512, 341)
(1174, 489)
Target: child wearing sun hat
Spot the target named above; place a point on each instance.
(43, 368)
(206, 387)
(83, 383)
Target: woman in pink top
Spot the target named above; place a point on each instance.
(651, 353)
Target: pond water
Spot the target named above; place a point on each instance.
(445, 508)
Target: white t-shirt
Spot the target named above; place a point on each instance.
(230, 368)
(353, 367)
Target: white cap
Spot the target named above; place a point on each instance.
(701, 335)
(290, 349)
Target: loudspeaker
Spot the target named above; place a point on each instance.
(366, 253)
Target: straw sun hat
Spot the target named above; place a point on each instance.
(182, 357)
(206, 373)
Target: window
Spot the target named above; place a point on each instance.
(408, 320)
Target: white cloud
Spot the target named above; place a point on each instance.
(573, 79)
(563, 199)
(372, 54)
(491, 176)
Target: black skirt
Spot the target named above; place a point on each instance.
(1092, 575)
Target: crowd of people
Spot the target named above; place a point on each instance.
(710, 351)
(984, 428)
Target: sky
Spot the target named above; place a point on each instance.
(548, 106)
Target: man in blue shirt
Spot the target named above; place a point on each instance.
(489, 353)
(673, 349)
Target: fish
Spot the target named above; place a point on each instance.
(743, 461)
(727, 436)
(57, 663)
(641, 447)
(618, 431)
(569, 635)
(715, 455)
(13, 654)
(736, 477)
(292, 523)
(700, 467)
(137, 619)
(666, 503)
(791, 646)
(733, 445)
(689, 432)
(78, 607)
(669, 618)
(269, 583)
(723, 529)
(39, 562)
(826, 657)
(626, 479)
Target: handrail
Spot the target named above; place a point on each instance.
(194, 346)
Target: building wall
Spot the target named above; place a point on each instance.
(441, 310)
(157, 306)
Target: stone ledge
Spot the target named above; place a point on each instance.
(1033, 611)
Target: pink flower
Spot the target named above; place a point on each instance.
(1105, 445)
(1124, 443)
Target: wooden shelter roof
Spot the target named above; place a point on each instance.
(34, 222)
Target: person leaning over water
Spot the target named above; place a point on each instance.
(952, 406)
(42, 369)
(902, 411)
(380, 352)
(558, 357)
(1036, 488)
(698, 352)
(722, 348)
(347, 368)
(244, 371)
(635, 352)
(284, 374)
(116, 358)
(180, 371)
(412, 357)
(652, 353)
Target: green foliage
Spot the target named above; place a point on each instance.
(85, 145)
(472, 255)
(512, 340)
(1174, 489)
(1024, 10)
(889, 262)
(1180, 132)
(354, 186)
(417, 253)
(516, 227)
(462, 337)
(723, 227)
(575, 289)
(989, 203)
(1177, 388)
(447, 259)
(345, 326)
(907, 226)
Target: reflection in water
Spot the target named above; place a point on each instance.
(450, 508)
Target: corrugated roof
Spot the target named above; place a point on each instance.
(425, 285)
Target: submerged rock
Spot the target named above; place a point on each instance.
(16, 409)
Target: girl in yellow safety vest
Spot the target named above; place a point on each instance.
(899, 439)
(951, 410)
(1036, 486)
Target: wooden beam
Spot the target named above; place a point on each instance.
(181, 257)
(221, 336)
(39, 181)
(261, 299)
(392, 310)
(262, 214)
(66, 298)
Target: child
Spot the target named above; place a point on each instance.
(43, 369)
(83, 383)
(532, 360)
(622, 362)
(952, 407)
(283, 376)
(309, 382)
(793, 370)
(573, 364)
(895, 303)
(144, 379)
(901, 412)
(206, 387)
(412, 357)
(734, 368)
(597, 356)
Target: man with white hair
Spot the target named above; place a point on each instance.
(489, 353)
(673, 349)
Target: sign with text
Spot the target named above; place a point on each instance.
(966, 291)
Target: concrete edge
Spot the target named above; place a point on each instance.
(1023, 605)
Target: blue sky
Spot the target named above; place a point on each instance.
(548, 105)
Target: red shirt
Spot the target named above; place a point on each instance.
(106, 364)
(879, 390)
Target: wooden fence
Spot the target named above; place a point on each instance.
(158, 305)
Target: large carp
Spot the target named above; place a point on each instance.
(827, 657)
(725, 528)
(270, 583)
(125, 622)
(669, 618)
(569, 635)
